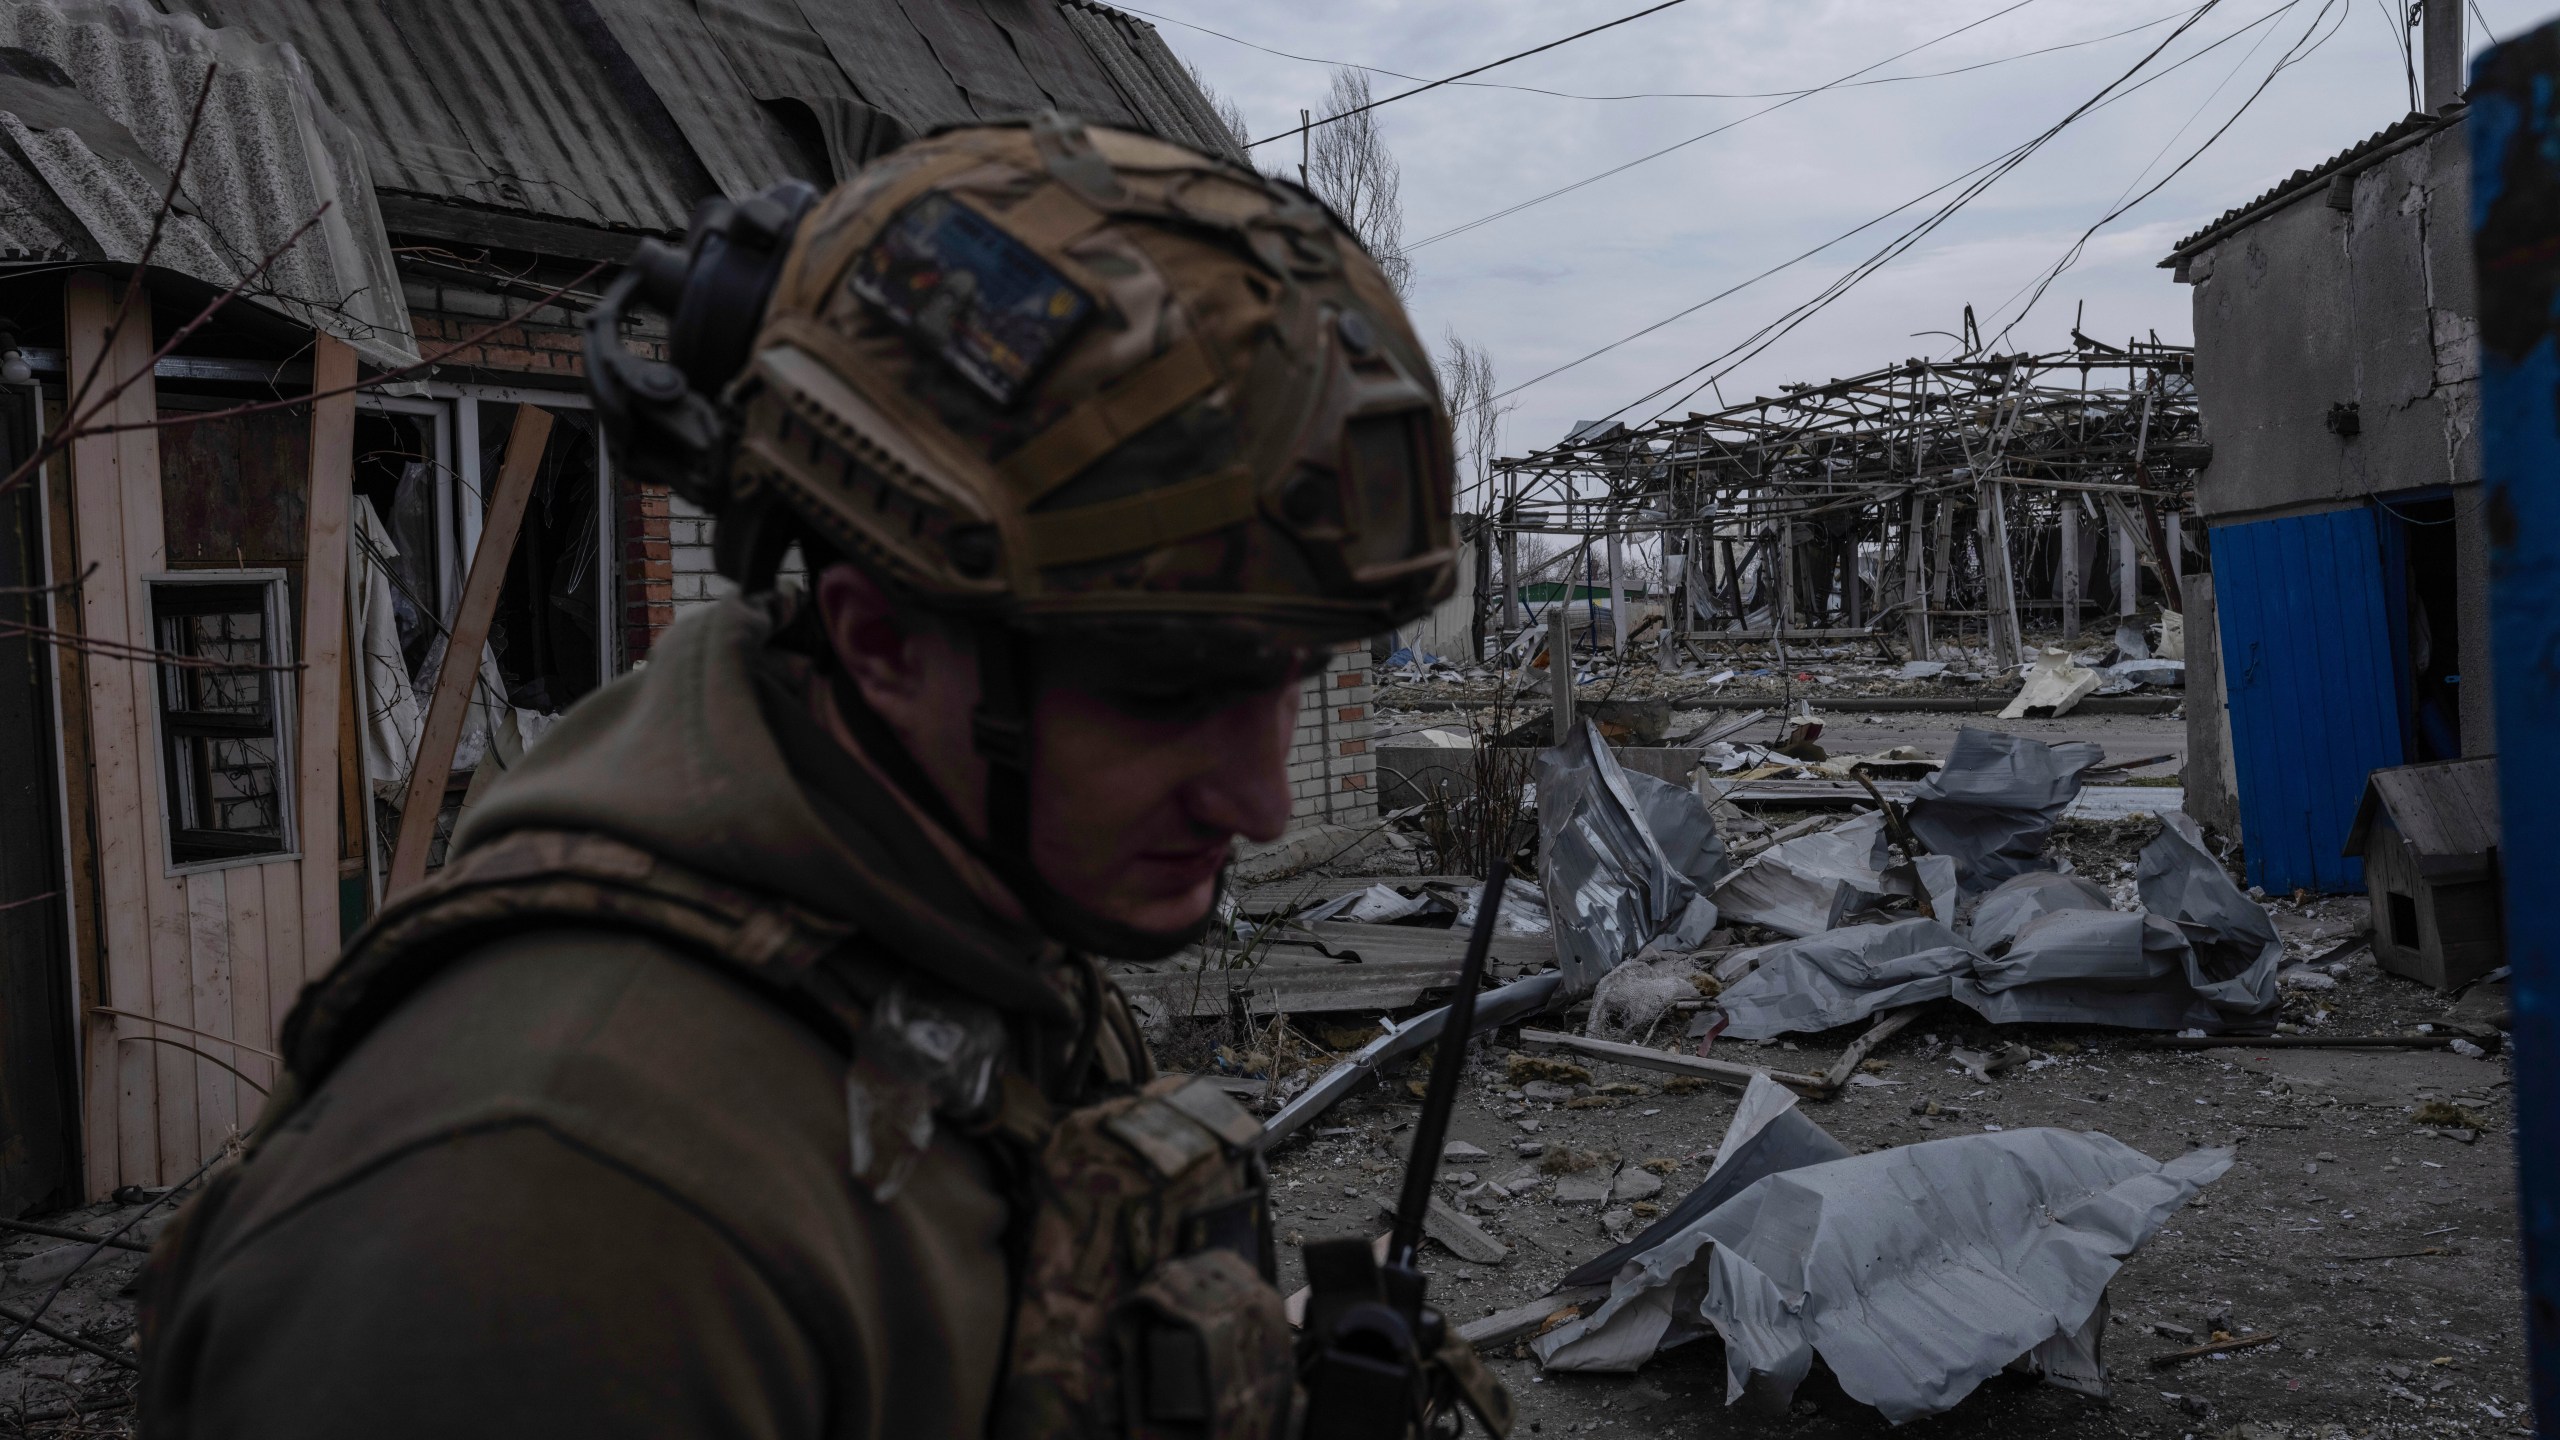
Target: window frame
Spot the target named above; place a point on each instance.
(171, 728)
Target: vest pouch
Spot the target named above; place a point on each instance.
(1205, 1351)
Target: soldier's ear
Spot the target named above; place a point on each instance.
(906, 665)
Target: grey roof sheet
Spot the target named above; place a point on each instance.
(2301, 182)
(2447, 810)
(623, 113)
(95, 100)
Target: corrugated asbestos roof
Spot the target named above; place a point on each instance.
(2301, 183)
(622, 113)
(94, 106)
(2446, 810)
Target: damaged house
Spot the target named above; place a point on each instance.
(226, 604)
(2347, 592)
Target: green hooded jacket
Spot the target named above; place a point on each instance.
(585, 1183)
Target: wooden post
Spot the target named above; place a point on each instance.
(324, 649)
(470, 632)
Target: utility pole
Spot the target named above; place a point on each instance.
(2443, 40)
(1306, 125)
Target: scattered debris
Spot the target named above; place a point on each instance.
(2218, 1346)
(2053, 686)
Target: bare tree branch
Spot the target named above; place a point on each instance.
(1351, 168)
(1467, 385)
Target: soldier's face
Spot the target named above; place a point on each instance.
(1135, 805)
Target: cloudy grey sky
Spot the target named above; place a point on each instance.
(1554, 281)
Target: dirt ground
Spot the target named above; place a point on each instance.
(2314, 1236)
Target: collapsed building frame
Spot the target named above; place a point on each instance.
(1932, 501)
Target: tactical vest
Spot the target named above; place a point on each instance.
(1142, 1258)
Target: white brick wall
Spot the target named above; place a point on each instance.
(689, 546)
(1332, 775)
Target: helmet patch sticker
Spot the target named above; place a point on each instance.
(987, 302)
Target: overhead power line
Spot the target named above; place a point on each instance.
(1480, 69)
(2010, 156)
(1589, 180)
(1668, 94)
(2302, 49)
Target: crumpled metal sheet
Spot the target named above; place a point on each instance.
(2042, 948)
(2236, 947)
(1843, 976)
(1612, 885)
(1990, 807)
(1812, 883)
(1915, 1273)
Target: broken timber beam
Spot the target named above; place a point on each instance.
(452, 702)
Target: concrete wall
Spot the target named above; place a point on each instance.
(2212, 786)
(2311, 306)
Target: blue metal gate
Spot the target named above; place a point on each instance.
(2303, 605)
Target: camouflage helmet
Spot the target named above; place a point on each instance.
(1051, 374)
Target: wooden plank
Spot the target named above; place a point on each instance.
(168, 924)
(246, 900)
(121, 792)
(462, 654)
(285, 972)
(324, 645)
(209, 967)
(80, 856)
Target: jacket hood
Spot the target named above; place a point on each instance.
(680, 759)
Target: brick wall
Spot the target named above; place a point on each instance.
(1332, 774)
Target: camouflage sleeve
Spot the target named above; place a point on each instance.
(499, 1283)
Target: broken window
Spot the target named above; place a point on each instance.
(549, 633)
(221, 721)
(400, 469)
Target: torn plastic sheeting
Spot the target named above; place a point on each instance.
(1611, 885)
(1990, 807)
(2053, 685)
(1915, 1273)
(1824, 880)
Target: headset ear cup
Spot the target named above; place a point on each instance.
(749, 540)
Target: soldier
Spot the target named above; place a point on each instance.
(747, 1070)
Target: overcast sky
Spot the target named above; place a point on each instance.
(1557, 280)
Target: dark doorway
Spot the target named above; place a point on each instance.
(39, 1110)
(2429, 626)
(548, 634)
